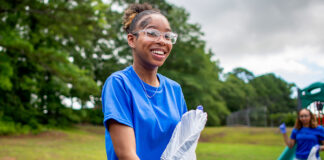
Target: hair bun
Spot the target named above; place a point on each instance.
(131, 12)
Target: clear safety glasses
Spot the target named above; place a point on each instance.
(304, 116)
(154, 35)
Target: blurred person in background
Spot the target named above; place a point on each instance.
(306, 134)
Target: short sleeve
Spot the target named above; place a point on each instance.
(183, 103)
(293, 134)
(116, 101)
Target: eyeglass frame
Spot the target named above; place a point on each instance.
(303, 116)
(160, 33)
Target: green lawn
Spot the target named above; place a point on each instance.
(87, 142)
(244, 143)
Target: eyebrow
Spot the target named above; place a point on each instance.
(155, 27)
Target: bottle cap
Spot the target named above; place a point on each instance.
(200, 107)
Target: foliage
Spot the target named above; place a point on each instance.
(38, 40)
(238, 94)
(288, 118)
(274, 93)
(242, 90)
(90, 116)
(56, 50)
(11, 128)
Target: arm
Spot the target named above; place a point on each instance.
(322, 146)
(289, 142)
(123, 139)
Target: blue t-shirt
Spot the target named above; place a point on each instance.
(153, 119)
(306, 138)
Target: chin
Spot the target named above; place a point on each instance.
(158, 64)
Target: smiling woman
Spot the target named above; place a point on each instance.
(306, 135)
(142, 107)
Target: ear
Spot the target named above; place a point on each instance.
(131, 40)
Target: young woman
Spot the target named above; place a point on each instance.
(141, 107)
(306, 134)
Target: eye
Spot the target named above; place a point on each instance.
(153, 33)
(168, 35)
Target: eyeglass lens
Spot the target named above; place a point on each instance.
(303, 116)
(155, 34)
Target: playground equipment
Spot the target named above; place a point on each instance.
(313, 94)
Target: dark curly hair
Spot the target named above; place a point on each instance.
(136, 12)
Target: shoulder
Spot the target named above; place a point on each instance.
(319, 128)
(169, 81)
(122, 78)
(295, 130)
(121, 75)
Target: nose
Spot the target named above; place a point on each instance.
(161, 40)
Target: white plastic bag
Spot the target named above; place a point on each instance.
(312, 154)
(183, 143)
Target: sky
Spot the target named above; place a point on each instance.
(285, 37)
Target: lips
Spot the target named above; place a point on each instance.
(159, 54)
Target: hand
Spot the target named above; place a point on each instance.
(282, 128)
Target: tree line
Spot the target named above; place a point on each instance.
(56, 50)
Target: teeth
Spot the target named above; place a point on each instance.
(158, 52)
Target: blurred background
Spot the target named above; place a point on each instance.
(242, 60)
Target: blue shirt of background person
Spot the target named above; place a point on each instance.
(306, 134)
(153, 119)
(141, 107)
(306, 138)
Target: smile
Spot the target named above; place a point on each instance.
(158, 52)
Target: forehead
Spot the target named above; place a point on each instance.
(156, 21)
(304, 112)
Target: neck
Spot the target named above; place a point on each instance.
(147, 75)
(306, 125)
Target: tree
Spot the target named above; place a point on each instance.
(274, 93)
(243, 74)
(39, 43)
(55, 50)
(237, 92)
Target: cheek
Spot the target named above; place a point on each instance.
(306, 119)
(170, 47)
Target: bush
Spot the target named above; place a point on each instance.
(7, 128)
(12, 128)
(90, 116)
(277, 118)
(63, 118)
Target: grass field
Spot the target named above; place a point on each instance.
(244, 143)
(87, 143)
